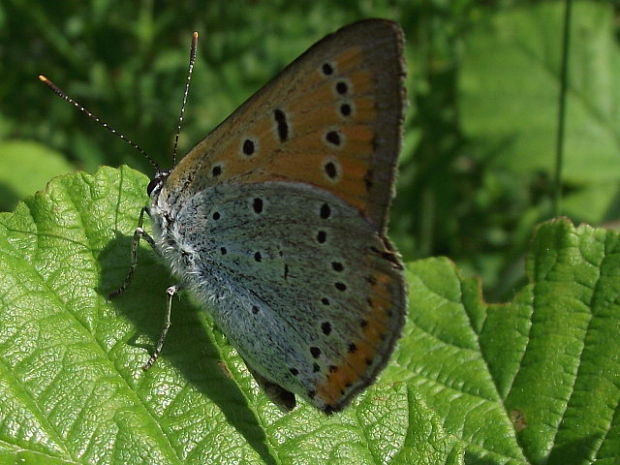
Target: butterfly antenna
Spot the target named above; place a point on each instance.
(192, 60)
(77, 105)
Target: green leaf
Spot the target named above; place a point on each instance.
(72, 387)
(536, 380)
(469, 382)
(25, 167)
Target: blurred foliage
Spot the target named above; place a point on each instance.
(478, 156)
(24, 168)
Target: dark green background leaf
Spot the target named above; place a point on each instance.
(509, 89)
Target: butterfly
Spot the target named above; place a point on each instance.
(276, 221)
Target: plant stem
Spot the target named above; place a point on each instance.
(559, 153)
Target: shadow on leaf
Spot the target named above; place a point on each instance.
(187, 346)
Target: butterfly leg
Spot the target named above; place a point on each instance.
(171, 291)
(138, 234)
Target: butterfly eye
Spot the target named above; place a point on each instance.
(152, 185)
(157, 182)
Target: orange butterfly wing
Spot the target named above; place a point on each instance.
(331, 119)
